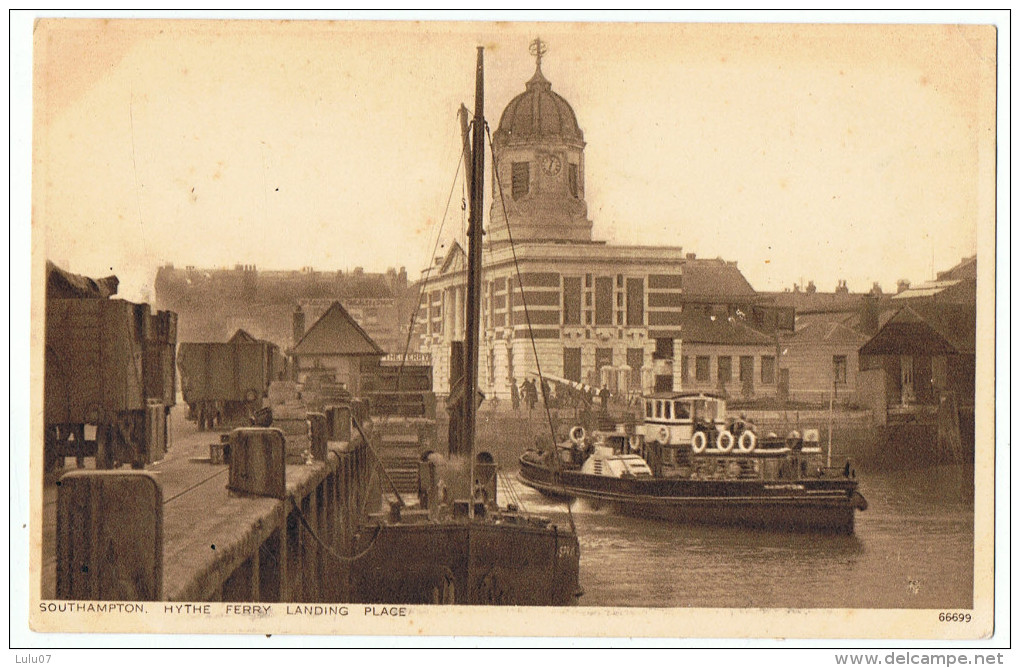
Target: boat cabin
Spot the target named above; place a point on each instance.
(673, 418)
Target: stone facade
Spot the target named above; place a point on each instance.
(593, 312)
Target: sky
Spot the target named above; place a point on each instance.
(805, 153)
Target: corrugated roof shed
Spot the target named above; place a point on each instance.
(336, 333)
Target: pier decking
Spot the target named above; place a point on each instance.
(218, 545)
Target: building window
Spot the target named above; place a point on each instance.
(663, 349)
(701, 372)
(521, 179)
(635, 302)
(685, 370)
(635, 360)
(768, 369)
(603, 358)
(746, 368)
(725, 363)
(603, 300)
(571, 301)
(839, 369)
(572, 179)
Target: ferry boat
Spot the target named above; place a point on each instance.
(686, 461)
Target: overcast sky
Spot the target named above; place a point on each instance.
(804, 153)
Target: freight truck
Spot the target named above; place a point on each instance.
(224, 384)
(109, 378)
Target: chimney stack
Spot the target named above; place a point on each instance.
(299, 324)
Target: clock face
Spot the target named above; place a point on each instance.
(551, 165)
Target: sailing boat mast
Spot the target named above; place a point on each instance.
(474, 263)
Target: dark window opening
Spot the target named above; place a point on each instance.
(603, 300)
(768, 369)
(663, 349)
(746, 368)
(839, 369)
(725, 363)
(572, 179)
(701, 371)
(635, 302)
(571, 301)
(521, 179)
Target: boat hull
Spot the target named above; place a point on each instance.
(798, 505)
(466, 563)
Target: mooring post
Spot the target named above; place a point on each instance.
(258, 462)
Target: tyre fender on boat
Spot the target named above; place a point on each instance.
(748, 441)
(577, 435)
(725, 441)
(663, 435)
(634, 442)
(699, 442)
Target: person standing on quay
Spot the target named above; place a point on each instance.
(515, 395)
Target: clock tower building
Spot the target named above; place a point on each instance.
(538, 165)
(626, 317)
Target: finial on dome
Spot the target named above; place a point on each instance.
(538, 48)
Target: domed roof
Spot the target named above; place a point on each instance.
(538, 113)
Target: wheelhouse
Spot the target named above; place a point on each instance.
(673, 419)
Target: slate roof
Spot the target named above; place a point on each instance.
(699, 327)
(336, 333)
(826, 328)
(966, 269)
(714, 278)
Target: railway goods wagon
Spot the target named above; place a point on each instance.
(225, 383)
(109, 381)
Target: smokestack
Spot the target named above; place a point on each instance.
(869, 314)
(299, 324)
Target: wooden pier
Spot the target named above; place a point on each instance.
(208, 543)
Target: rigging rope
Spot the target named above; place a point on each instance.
(428, 271)
(527, 318)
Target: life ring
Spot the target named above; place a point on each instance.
(663, 435)
(699, 442)
(748, 441)
(577, 435)
(634, 442)
(724, 441)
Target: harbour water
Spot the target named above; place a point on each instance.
(913, 548)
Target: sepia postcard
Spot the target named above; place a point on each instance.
(723, 296)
